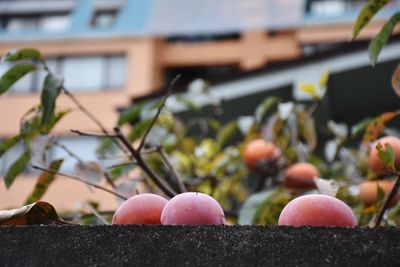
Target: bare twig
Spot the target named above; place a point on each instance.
(109, 180)
(143, 165)
(310, 111)
(162, 104)
(66, 149)
(389, 199)
(149, 150)
(69, 152)
(97, 214)
(93, 134)
(178, 178)
(76, 178)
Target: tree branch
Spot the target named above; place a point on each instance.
(76, 178)
(143, 165)
(389, 199)
(178, 178)
(93, 134)
(162, 104)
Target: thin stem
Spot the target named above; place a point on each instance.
(316, 104)
(178, 178)
(97, 214)
(84, 110)
(143, 165)
(389, 199)
(162, 104)
(69, 152)
(76, 178)
(92, 134)
(310, 111)
(66, 149)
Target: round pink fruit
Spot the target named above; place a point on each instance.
(192, 208)
(317, 210)
(140, 209)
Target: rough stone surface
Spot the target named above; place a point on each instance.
(141, 245)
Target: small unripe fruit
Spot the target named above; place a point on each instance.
(259, 149)
(317, 210)
(140, 209)
(301, 176)
(192, 208)
(369, 191)
(375, 163)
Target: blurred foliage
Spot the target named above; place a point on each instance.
(208, 154)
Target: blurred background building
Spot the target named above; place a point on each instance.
(113, 51)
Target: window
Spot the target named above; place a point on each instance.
(47, 22)
(85, 148)
(54, 23)
(94, 73)
(81, 74)
(203, 38)
(9, 158)
(22, 23)
(104, 18)
(116, 70)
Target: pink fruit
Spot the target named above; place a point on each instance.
(140, 209)
(317, 210)
(192, 208)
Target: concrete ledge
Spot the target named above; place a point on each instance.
(141, 245)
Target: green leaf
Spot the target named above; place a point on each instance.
(51, 89)
(366, 14)
(30, 128)
(16, 168)
(23, 54)
(106, 145)
(187, 102)
(130, 114)
(386, 156)
(15, 73)
(138, 130)
(250, 206)
(360, 127)
(227, 132)
(269, 210)
(7, 144)
(46, 129)
(36, 213)
(121, 169)
(43, 182)
(264, 107)
(381, 39)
